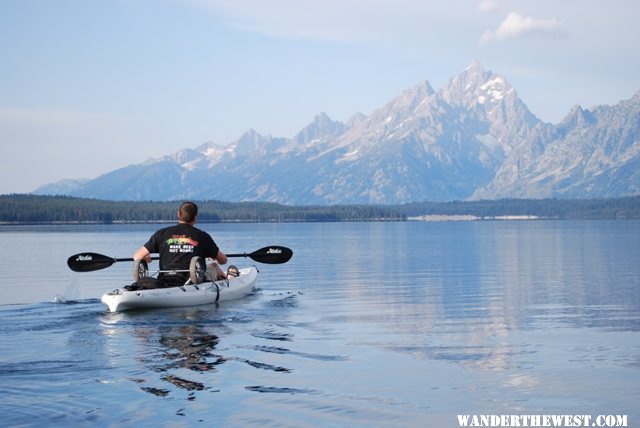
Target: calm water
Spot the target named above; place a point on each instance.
(370, 324)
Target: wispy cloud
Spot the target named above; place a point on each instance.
(516, 25)
(488, 6)
(288, 19)
(340, 21)
(329, 20)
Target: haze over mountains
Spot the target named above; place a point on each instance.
(471, 139)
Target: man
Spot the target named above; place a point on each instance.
(178, 244)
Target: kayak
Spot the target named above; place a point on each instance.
(186, 295)
(196, 291)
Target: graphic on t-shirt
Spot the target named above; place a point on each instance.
(181, 244)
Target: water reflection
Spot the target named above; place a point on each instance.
(466, 293)
(181, 346)
(185, 347)
(178, 345)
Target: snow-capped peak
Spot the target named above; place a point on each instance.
(493, 91)
(475, 85)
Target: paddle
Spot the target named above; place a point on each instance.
(88, 262)
(273, 255)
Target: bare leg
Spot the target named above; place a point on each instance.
(214, 272)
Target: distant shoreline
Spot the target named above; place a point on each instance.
(437, 218)
(29, 209)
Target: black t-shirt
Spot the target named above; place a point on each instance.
(177, 245)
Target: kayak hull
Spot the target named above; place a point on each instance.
(188, 295)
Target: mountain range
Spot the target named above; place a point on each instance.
(474, 138)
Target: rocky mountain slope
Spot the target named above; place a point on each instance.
(473, 138)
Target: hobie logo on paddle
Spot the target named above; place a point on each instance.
(274, 251)
(84, 258)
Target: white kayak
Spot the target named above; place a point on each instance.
(187, 295)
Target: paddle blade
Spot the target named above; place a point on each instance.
(273, 255)
(88, 262)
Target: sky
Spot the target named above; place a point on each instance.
(88, 86)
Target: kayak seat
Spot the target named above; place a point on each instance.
(233, 272)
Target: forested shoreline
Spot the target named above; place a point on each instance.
(25, 208)
(34, 209)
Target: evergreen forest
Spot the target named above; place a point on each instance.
(34, 209)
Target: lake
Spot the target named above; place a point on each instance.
(369, 324)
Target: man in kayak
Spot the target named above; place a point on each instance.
(178, 244)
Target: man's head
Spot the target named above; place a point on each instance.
(187, 212)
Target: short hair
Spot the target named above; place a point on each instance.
(188, 211)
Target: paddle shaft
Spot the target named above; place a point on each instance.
(131, 259)
(87, 262)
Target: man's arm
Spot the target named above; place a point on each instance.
(143, 254)
(221, 258)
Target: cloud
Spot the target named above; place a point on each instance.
(516, 25)
(488, 6)
(287, 19)
(329, 20)
(353, 21)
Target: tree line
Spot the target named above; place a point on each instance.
(29, 209)
(26, 208)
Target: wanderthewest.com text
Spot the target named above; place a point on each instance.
(542, 421)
